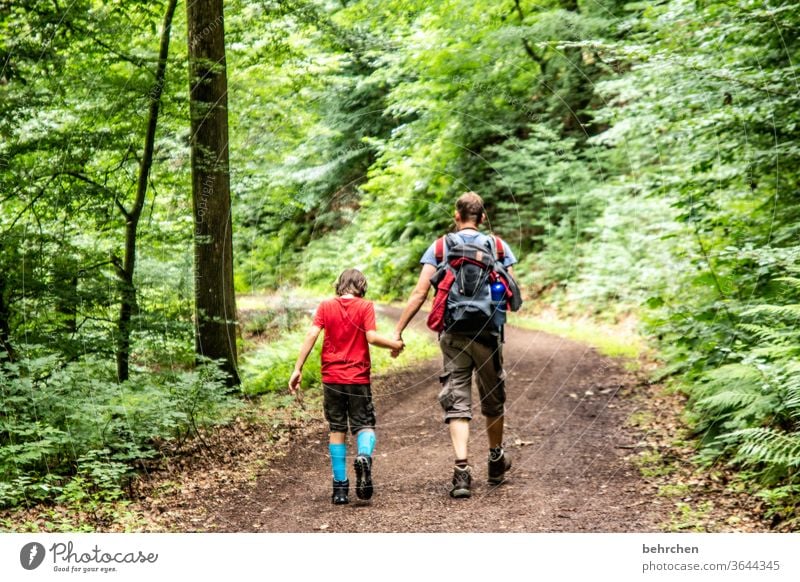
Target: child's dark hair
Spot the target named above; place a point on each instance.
(351, 281)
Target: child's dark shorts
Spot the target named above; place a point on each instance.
(353, 402)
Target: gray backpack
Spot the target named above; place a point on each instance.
(466, 272)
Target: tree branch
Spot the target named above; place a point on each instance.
(98, 185)
(526, 45)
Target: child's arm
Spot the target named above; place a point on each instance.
(376, 339)
(305, 349)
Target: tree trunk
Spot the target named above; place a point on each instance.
(125, 269)
(5, 327)
(67, 303)
(215, 303)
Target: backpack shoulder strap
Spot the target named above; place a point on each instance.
(443, 244)
(499, 248)
(438, 250)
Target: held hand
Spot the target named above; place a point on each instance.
(397, 350)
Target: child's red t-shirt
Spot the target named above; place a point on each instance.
(345, 351)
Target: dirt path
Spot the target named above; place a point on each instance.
(566, 434)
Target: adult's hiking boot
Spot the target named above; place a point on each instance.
(340, 491)
(363, 467)
(462, 482)
(499, 463)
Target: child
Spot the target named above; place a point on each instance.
(349, 324)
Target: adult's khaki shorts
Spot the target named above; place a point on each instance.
(462, 356)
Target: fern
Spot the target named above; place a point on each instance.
(791, 312)
(730, 400)
(77, 428)
(791, 282)
(767, 446)
(764, 333)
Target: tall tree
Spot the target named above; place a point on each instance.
(215, 304)
(125, 268)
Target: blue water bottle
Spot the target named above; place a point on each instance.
(498, 290)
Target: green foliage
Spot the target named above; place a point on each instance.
(267, 368)
(750, 409)
(637, 156)
(782, 504)
(411, 104)
(70, 432)
(75, 86)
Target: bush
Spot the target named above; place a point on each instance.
(70, 428)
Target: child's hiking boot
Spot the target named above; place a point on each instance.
(363, 467)
(462, 481)
(340, 491)
(499, 463)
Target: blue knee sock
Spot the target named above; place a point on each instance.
(338, 461)
(366, 442)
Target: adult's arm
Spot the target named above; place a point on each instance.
(416, 300)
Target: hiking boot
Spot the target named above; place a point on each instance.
(363, 467)
(340, 490)
(462, 481)
(498, 465)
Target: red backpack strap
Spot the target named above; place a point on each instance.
(438, 250)
(499, 249)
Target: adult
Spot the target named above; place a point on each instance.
(467, 354)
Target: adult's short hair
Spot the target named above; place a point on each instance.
(351, 281)
(470, 207)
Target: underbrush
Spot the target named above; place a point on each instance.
(73, 438)
(72, 435)
(737, 364)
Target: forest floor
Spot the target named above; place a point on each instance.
(595, 448)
